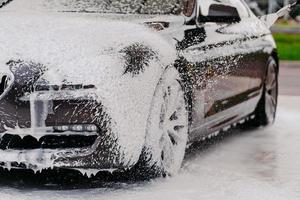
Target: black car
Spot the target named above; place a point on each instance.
(113, 85)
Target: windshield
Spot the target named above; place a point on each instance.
(101, 6)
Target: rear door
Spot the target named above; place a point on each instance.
(220, 55)
(247, 51)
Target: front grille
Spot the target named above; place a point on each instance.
(46, 142)
(56, 137)
(46, 87)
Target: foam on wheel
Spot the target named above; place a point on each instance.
(167, 129)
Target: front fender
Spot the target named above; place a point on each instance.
(128, 101)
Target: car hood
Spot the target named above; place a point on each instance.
(75, 48)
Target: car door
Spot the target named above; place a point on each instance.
(218, 54)
(249, 50)
(219, 59)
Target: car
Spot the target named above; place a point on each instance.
(128, 85)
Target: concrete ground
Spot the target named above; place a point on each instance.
(289, 78)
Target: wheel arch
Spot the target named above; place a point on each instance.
(271, 56)
(181, 65)
(275, 56)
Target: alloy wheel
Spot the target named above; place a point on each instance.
(174, 127)
(271, 93)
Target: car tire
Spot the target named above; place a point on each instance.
(167, 129)
(265, 113)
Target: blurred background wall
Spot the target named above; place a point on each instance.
(269, 6)
(286, 31)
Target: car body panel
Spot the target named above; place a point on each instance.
(227, 63)
(222, 68)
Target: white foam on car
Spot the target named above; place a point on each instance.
(84, 49)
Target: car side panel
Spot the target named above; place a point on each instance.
(223, 66)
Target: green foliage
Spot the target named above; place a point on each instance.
(288, 46)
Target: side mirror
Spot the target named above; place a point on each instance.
(216, 12)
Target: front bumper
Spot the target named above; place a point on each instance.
(68, 129)
(32, 103)
(73, 158)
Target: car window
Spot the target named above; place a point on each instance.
(101, 6)
(242, 10)
(252, 12)
(188, 7)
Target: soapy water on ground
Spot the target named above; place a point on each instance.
(253, 164)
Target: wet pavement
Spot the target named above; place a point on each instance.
(244, 165)
(290, 78)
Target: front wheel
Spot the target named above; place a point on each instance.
(167, 129)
